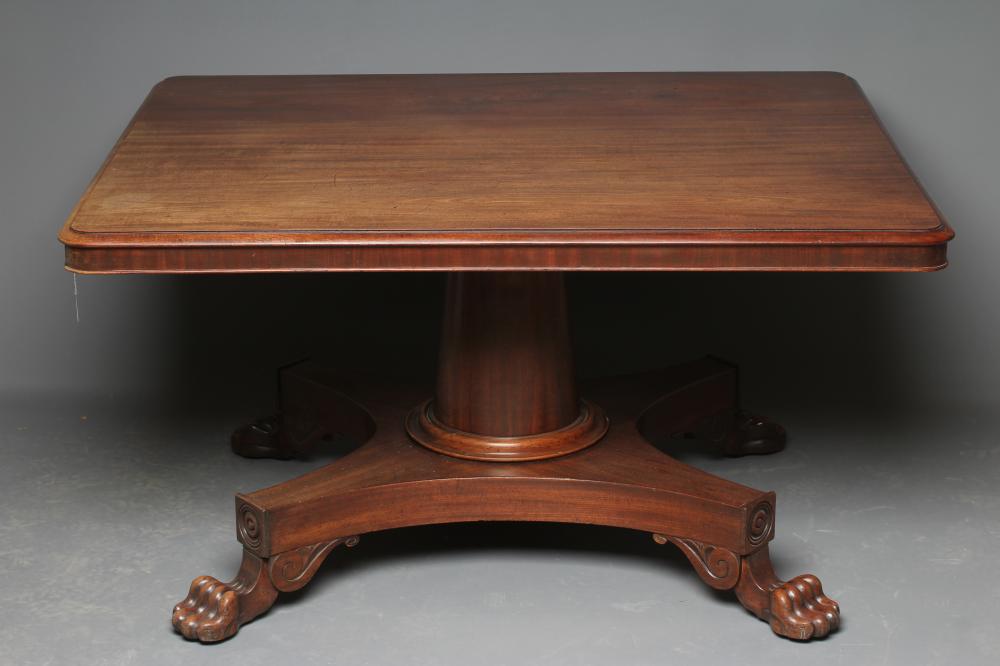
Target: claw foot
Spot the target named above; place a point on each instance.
(800, 610)
(209, 613)
(797, 609)
(213, 611)
(260, 439)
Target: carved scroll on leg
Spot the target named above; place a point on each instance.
(213, 611)
(797, 609)
(718, 567)
(291, 570)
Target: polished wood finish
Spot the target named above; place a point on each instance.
(637, 171)
(507, 256)
(796, 609)
(505, 385)
(587, 428)
(213, 611)
(505, 366)
(622, 481)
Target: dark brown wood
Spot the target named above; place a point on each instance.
(261, 439)
(505, 367)
(587, 428)
(741, 433)
(308, 412)
(486, 175)
(362, 492)
(622, 481)
(633, 171)
(796, 609)
(214, 611)
(624, 256)
(505, 385)
(732, 429)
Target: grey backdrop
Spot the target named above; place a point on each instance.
(72, 73)
(116, 486)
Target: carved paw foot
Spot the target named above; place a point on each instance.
(742, 433)
(796, 609)
(260, 439)
(213, 611)
(800, 610)
(209, 613)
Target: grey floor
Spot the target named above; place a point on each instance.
(107, 510)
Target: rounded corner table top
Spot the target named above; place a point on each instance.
(588, 171)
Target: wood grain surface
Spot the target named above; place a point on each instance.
(645, 171)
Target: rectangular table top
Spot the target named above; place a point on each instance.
(612, 171)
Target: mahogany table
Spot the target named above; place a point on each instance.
(506, 181)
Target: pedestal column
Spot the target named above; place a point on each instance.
(505, 385)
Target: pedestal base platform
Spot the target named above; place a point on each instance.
(391, 481)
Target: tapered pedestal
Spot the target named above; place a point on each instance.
(507, 436)
(505, 386)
